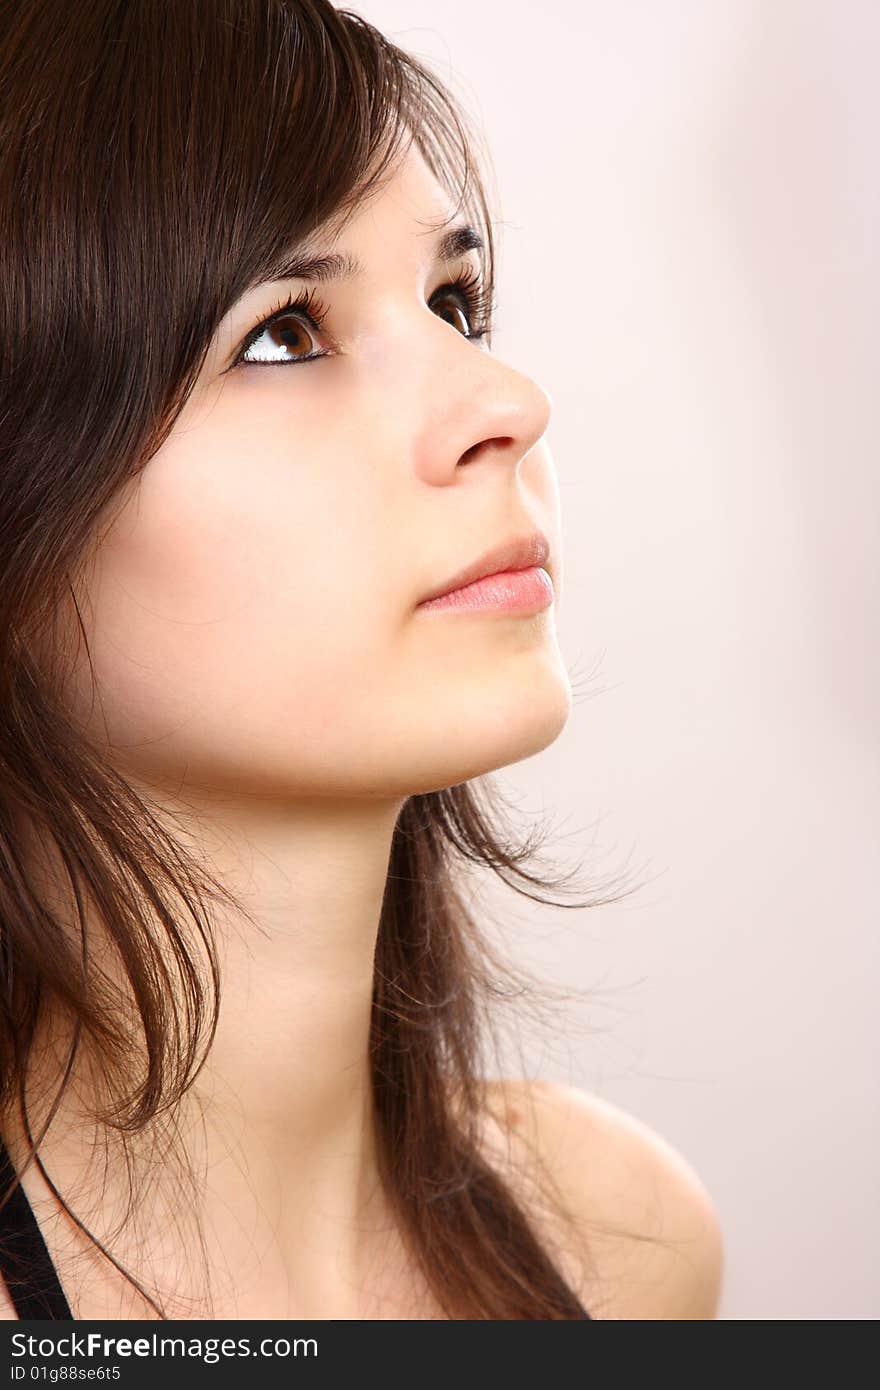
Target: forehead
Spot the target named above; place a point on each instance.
(409, 201)
(388, 224)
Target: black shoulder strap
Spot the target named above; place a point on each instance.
(25, 1263)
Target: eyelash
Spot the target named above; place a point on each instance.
(480, 306)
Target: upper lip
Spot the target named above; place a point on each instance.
(519, 553)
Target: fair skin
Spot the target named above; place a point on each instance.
(264, 672)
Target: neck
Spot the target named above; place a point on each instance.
(278, 1126)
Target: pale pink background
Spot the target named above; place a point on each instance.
(690, 267)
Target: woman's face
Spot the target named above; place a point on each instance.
(252, 612)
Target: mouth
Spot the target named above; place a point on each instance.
(509, 591)
(502, 563)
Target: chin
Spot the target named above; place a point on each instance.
(501, 723)
(529, 724)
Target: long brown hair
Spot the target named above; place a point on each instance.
(156, 160)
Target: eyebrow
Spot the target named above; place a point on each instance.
(336, 265)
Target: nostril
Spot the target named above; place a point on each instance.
(470, 453)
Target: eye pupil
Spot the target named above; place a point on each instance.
(284, 335)
(461, 320)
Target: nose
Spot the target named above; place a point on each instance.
(478, 408)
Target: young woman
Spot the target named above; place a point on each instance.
(252, 433)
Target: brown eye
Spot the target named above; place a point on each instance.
(287, 335)
(284, 339)
(468, 303)
(288, 331)
(454, 313)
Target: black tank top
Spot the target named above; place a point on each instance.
(25, 1263)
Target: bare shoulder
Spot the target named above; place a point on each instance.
(633, 1228)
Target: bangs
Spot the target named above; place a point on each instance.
(184, 151)
(300, 113)
(346, 104)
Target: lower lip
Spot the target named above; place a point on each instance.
(511, 591)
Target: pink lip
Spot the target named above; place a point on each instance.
(511, 591)
(519, 553)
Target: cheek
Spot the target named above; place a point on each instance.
(224, 619)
